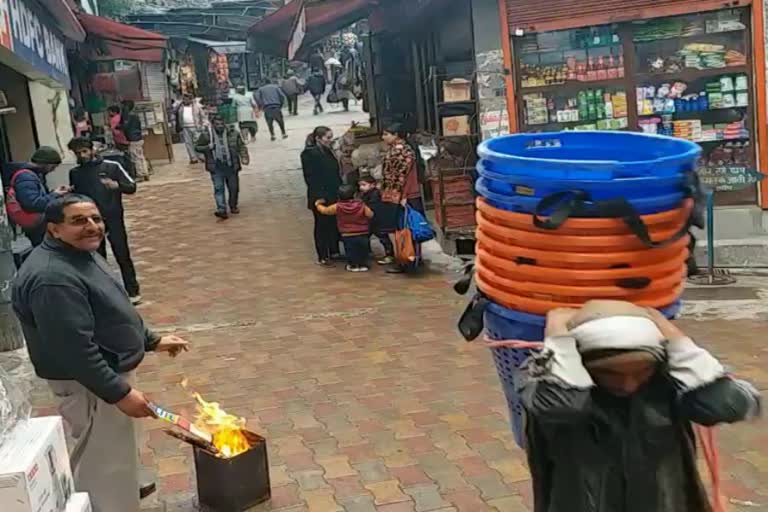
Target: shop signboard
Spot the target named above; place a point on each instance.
(34, 38)
(728, 178)
(5, 25)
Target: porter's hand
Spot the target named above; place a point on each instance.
(172, 344)
(557, 321)
(135, 405)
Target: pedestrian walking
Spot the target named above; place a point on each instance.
(131, 127)
(247, 113)
(316, 85)
(292, 88)
(106, 182)
(271, 98)
(610, 406)
(225, 154)
(317, 61)
(322, 175)
(85, 338)
(353, 220)
(190, 122)
(27, 193)
(341, 88)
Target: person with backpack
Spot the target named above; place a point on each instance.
(27, 194)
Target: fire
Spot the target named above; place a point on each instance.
(226, 429)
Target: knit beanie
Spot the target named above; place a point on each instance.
(46, 155)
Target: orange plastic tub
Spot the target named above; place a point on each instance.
(578, 277)
(542, 307)
(657, 289)
(555, 241)
(670, 220)
(581, 260)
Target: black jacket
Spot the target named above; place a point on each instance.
(86, 180)
(316, 84)
(589, 451)
(78, 320)
(131, 126)
(322, 174)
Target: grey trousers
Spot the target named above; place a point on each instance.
(189, 136)
(103, 452)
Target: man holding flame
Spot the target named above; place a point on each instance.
(86, 339)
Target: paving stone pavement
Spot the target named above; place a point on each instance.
(368, 398)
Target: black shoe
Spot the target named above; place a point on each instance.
(221, 215)
(285, 135)
(147, 490)
(396, 270)
(234, 210)
(273, 138)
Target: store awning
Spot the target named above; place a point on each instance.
(273, 33)
(222, 47)
(66, 19)
(111, 40)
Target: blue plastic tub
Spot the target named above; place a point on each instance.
(588, 155)
(629, 188)
(528, 204)
(502, 323)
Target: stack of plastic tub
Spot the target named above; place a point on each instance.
(527, 270)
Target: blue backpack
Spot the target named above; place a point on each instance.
(421, 231)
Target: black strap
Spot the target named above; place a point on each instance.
(471, 323)
(563, 205)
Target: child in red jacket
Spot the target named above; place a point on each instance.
(353, 219)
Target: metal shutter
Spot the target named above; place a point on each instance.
(154, 82)
(538, 16)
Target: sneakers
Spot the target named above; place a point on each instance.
(221, 215)
(325, 263)
(352, 268)
(135, 299)
(387, 260)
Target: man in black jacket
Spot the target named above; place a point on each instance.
(130, 124)
(106, 182)
(85, 337)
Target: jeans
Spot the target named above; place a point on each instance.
(189, 135)
(118, 240)
(356, 248)
(293, 104)
(272, 114)
(318, 103)
(225, 180)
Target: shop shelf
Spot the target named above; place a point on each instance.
(567, 50)
(573, 86)
(703, 37)
(691, 75)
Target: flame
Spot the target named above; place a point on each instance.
(226, 429)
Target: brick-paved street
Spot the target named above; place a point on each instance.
(368, 397)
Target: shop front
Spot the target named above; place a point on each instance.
(685, 69)
(35, 76)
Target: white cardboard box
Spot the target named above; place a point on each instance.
(34, 468)
(79, 502)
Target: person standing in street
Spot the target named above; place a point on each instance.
(316, 85)
(106, 182)
(190, 122)
(86, 339)
(322, 175)
(131, 127)
(271, 98)
(27, 193)
(292, 88)
(247, 113)
(225, 154)
(317, 61)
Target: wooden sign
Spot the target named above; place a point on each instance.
(724, 178)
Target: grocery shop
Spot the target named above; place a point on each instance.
(679, 68)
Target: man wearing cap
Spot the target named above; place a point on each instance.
(610, 405)
(26, 182)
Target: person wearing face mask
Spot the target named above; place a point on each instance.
(322, 175)
(85, 338)
(225, 154)
(610, 404)
(106, 182)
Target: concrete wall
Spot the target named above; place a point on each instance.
(54, 125)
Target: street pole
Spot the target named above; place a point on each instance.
(11, 337)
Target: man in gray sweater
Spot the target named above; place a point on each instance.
(271, 98)
(86, 339)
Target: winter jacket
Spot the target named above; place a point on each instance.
(291, 86)
(322, 174)
(270, 96)
(352, 216)
(78, 320)
(237, 149)
(131, 126)
(86, 179)
(316, 84)
(29, 186)
(589, 451)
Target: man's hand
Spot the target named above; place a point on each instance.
(172, 344)
(670, 331)
(110, 183)
(320, 201)
(63, 189)
(135, 405)
(557, 321)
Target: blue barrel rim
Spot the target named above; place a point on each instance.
(484, 150)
